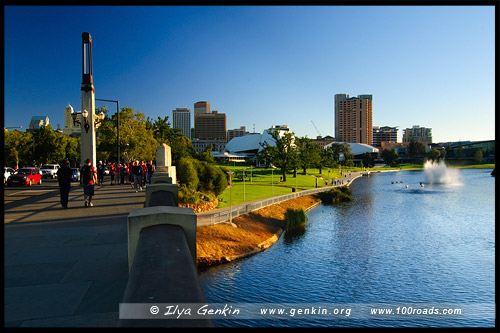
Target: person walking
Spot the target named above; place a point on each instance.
(100, 173)
(64, 177)
(151, 169)
(88, 179)
(137, 171)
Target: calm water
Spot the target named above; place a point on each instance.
(430, 246)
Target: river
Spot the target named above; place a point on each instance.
(418, 250)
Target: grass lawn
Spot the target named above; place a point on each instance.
(266, 183)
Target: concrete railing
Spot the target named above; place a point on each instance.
(162, 257)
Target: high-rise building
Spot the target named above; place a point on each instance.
(69, 126)
(236, 133)
(210, 126)
(181, 118)
(384, 134)
(37, 122)
(417, 133)
(353, 118)
(201, 107)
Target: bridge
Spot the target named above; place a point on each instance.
(75, 267)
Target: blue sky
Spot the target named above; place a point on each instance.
(431, 66)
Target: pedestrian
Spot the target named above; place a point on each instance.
(123, 171)
(100, 173)
(144, 173)
(137, 171)
(88, 179)
(64, 177)
(117, 173)
(130, 174)
(151, 169)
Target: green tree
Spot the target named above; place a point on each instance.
(282, 154)
(348, 156)
(136, 138)
(187, 173)
(434, 154)
(309, 154)
(18, 148)
(416, 148)
(368, 160)
(478, 156)
(391, 157)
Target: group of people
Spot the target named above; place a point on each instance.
(136, 173)
(124, 174)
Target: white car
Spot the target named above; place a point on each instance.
(6, 173)
(49, 170)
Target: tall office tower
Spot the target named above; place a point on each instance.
(181, 118)
(201, 107)
(236, 133)
(384, 134)
(210, 126)
(417, 133)
(353, 118)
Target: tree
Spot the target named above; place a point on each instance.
(136, 137)
(434, 154)
(348, 156)
(309, 153)
(368, 160)
(282, 154)
(187, 174)
(390, 157)
(416, 148)
(18, 148)
(478, 156)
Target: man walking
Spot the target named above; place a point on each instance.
(64, 177)
(100, 173)
(88, 179)
(137, 172)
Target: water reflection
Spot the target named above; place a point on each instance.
(433, 244)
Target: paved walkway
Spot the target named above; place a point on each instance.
(67, 267)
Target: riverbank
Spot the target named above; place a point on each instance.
(251, 233)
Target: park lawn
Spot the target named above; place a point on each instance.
(266, 183)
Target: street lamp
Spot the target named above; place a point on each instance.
(244, 174)
(272, 180)
(117, 123)
(230, 173)
(85, 116)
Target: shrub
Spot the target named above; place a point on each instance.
(336, 195)
(187, 173)
(295, 220)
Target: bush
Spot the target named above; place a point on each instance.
(336, 195)
(187, 173)
(295, 220)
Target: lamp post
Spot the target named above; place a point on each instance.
(230, 173)
(244, 174)
(117, 123)
(272, 180)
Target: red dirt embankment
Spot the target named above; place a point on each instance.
(255, 232)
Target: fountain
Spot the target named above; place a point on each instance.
(439, 173)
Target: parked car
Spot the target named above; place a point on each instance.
(25, 176)
(6, 173)
(49, 170)
(76, 174)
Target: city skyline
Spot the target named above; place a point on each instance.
(428, 66)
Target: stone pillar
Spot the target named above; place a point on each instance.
(164, 166)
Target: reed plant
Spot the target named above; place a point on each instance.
(295, 219)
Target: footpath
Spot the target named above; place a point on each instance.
(67, 267)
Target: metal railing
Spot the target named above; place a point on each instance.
(224, 215)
